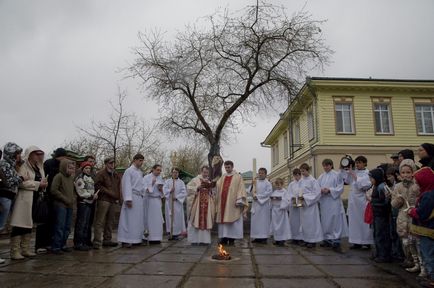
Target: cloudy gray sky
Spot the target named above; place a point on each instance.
(58, 59)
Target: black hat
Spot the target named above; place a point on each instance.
(59, 152)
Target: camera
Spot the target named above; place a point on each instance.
(346, 162)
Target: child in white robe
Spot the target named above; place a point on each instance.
(309, 213)
(279, 215)
(289, 202)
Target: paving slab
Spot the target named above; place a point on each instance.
(337, 260)
(55, 281)
(222, 270)
(280, 259)
(287, 271)
(369, 283)
(160, 268)
(134, 281)
(200, 282)
(297, 283)
(36, 266)
(354, 271)
(274, 251)
(190, 258)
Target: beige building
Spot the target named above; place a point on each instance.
(331, 117)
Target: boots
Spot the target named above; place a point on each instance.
(15, 248)
(25, 245)
(417, 267)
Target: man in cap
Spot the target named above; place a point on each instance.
(108, 182)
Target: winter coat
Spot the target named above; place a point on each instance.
(109, 185)
(62, 188)
(9, 187)
(404, 196)
(22, 212)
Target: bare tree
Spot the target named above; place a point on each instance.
(191, 158)
(122, 136)
(210, 79)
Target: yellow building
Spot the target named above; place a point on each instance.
(331, 117)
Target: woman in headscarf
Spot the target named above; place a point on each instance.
(426, 155)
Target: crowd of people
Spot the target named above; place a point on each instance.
(390, 207)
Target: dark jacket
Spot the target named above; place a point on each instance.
(10, 180)
(109, 186)
(62, 188)
(423, 216)
(380, 203)
(51, 168)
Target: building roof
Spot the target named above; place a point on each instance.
(314, 82)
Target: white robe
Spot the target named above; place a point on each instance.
(333, 218)
(131, 227)
(309, 214)
(359, 231)
(294, 212)
(260, 213)
(279, 217)
(178, 208)
(154, 210)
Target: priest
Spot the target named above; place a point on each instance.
(231, 205)
(201, 208)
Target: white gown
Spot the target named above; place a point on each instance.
(261, 211)
(131, 227)
(333, 218)
(154, 210)
(309, 213)
(359, 231)
(280, 229)
(180, 194)
(294, 212)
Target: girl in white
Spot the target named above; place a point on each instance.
(279, 215)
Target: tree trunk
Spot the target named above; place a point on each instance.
(214, 150)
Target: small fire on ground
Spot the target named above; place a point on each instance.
(222, 254)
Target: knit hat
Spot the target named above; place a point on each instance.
(409, 163)
(378, 175)
(407, 154)
(425, 179)
(85, 164)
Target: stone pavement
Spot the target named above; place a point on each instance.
(177, 264)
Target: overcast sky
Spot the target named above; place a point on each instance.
(58, 59)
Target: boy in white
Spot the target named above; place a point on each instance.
(333, 218)
(279, 215)
(309, 213)
(131, 227)
(360, 234)
(175, 192)
(289, 202)
(260, 212)
(154, 193)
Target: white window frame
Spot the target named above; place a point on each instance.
(378, 113)
(351, 110)
(421, 127)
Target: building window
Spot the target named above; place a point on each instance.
(296, 135)
(425, 118)
(310, 123)
(383, 118)
(344, 118)
(275, 152)
(285, 145)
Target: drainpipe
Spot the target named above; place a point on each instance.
(315, 109)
